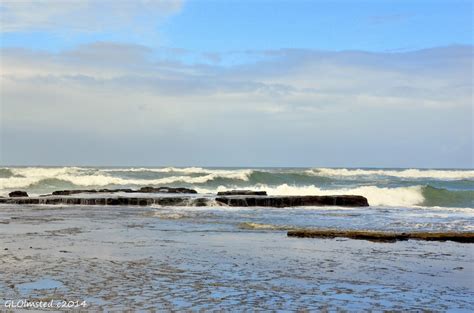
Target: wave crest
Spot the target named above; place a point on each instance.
(29, 178)
(378, 196)
(408, 173)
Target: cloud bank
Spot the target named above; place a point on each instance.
(111, 101)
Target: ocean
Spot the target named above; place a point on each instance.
(239, 258)
(453, 188)
(407, 199)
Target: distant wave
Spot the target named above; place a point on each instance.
(26, 177)
(185, 170)
(407, 173)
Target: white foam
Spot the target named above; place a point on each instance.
(377, 196)
(408, 173)
(32, 176)
(26, 176)
(44, 172)
(186, 170)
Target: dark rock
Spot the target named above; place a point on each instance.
(291, 201)
(381, 236)
(171, 201)
(127, 190)
(242, 201)
(200, 202)
(72, 192)
(78, 191)
(18, 193)
(115, 190)
(165, 190)
(242, 193)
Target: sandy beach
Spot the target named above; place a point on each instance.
(122, 257)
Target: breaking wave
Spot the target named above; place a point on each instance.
(186, 170)
(382, 187)
(378, 196)
(27, 177)
(406, 173)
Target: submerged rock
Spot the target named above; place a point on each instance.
(18, 193)
(291, 201)
(381, 236)
(242, 193)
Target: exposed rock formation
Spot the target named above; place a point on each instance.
(291, 201)
(18, 193)
(125, 201)
(242, 193)
(243, 201)
(166, 190)
(141, 190)
(78, 191)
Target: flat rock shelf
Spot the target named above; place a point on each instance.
(383, 236)
(167, 196)
(193, 200)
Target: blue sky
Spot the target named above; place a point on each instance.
(262, 25)
(326, 25)
(297, 83)
(220, 26)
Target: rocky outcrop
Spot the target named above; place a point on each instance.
(165, 200)
(381, 236)
(115, 201)
(141, 190)
(242, 193)
(166, 190)
(18, 193)
(292, 201)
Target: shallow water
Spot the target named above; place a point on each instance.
(202, 258)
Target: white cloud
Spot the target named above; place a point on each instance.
(83, 15)
(371, 103)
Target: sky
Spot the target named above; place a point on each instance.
(237, 83)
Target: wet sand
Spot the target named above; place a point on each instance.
(126, 257)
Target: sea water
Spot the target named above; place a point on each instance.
(219, 257)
